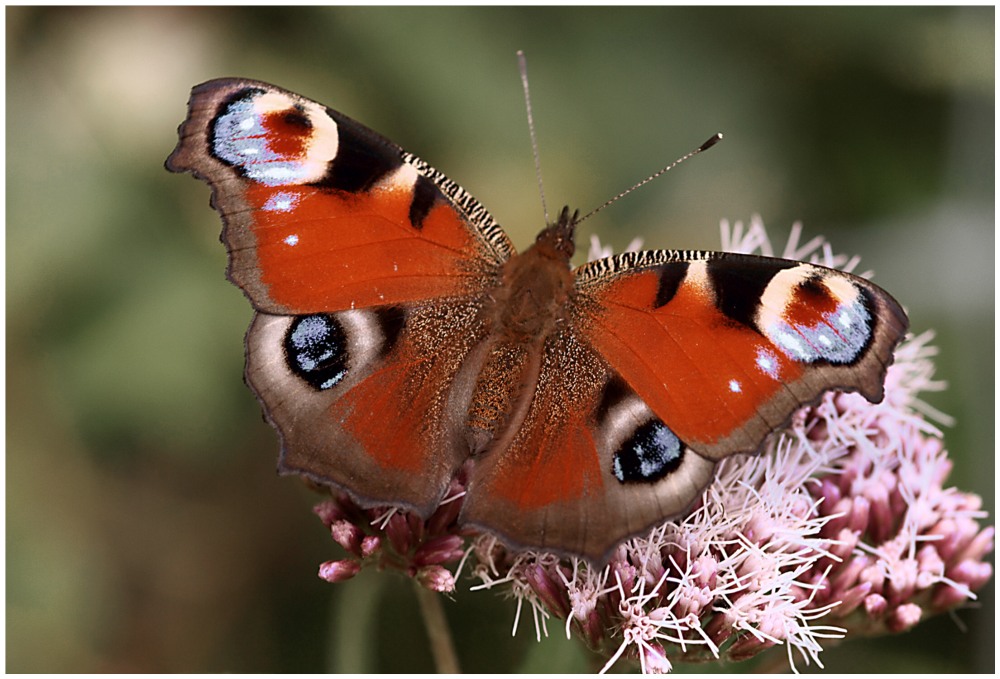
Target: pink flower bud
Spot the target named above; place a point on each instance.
(974, 574)
(370, 544)
(551, 593)
(980, 546)
(947, 530)
(859, 515)
(328, 511)
(439, 550)
(397, 529)
(881, 524)
(847, 540)
(850, 573)
(875, 605)
(338, 571)
(873, 574)
(830, 493)
(654, 659)
(852, 598)
(347, 535)
(436, 578)
(903, 617)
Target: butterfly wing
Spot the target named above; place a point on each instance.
(364, 264)
(553, 486)
(724, 347)
(370, 400)
(322, 214)
(672, 362)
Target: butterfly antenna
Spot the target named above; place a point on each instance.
(716, 138)
(522, 65)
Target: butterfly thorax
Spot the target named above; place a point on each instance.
(531, 300)
(528, 306)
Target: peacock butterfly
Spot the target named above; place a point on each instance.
(399, 336)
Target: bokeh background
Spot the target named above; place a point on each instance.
(146, 529)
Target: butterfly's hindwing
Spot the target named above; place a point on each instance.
(594, 464)
(367, 399)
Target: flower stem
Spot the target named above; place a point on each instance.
(445, 660)
(353, 623)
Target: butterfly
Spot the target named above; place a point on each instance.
(399, 337)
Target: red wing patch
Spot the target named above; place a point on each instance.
(551, 467)
(322, 250)
(389, 396)
(704, 375)
(559, 484)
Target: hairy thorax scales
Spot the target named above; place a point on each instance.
(528, 306)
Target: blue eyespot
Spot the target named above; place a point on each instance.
(652, 452)
(316, 350)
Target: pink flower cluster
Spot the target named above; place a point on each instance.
(843, 526)
(389, 538)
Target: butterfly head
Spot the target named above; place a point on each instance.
(558, 236)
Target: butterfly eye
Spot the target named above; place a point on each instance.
(651, 453)
(316, 350)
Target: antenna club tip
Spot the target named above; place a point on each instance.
(716, 138)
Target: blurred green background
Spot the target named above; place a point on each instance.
(146, 530)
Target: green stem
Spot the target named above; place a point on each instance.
(354, 622)
(442, 647)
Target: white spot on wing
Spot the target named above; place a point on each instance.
(278, 174)
(281, 202)
(333, 380)
(767, 362)
(785, 338)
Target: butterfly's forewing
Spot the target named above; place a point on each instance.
(364, 264)
(322, 214)
(672, 362)
(724, 347)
